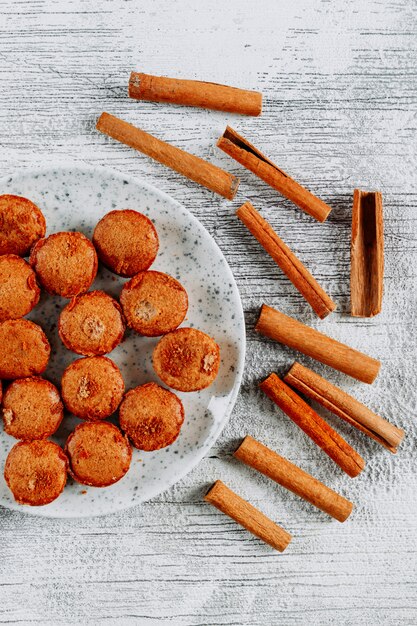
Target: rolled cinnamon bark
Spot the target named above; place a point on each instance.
(194, 93)
(290, 332)
(250, 157)
(229, 503)
(194, 168)
(367, 254)
(293, 478)
(298, 274)
(313, 425)
(344, 406)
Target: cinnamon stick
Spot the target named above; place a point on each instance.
(250, 157)
(290, 332)
(298, 274)
(194, 168)
(367, 254)
(229, 503)
(313, 425)
(264, 460)
(194, 93)
(345, 406)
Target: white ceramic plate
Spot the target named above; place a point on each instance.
(75, 198)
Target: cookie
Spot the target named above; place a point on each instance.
(187, 359)
(126, 242)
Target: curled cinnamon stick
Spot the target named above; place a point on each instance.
(198, 170)
(298, 274)
(367, 254)
(345, 406)
(229, 503)
(250, 157)
(194, 93)
(293, 478)
(290, 332)
(313, 425)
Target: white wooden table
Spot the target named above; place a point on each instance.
(339, 80)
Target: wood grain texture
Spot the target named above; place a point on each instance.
(340, 111)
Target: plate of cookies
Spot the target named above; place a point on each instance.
(122, 341)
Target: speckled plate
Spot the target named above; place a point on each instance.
(75, 198)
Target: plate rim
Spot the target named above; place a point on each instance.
(41, 512)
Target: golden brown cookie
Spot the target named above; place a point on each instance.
(36, 472)
(21, 224)
(32, 409)
(24, 350)
(126, 242)
(92, 324)
(99, 455)
(151, 416)
(92, 388)
(19, 291)
(187, 359)
(65, 263)
(154, 303)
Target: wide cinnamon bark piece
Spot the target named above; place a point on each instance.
(367, 254)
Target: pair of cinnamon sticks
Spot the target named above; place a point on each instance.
(291, 477)
(190, 93)
(338, 402)
(203, 172)
(209, 175)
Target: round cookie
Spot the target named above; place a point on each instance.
(21, 224)
(36, 472)
(32, 409)
(25, 350)
(153, 303)
(99, 455)
(151, 416)
(187, 359)
(126, 242)
(92, 388)
(19, 291)
(91, 324)
(65, 263)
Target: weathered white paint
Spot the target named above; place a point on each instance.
(339, 80)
